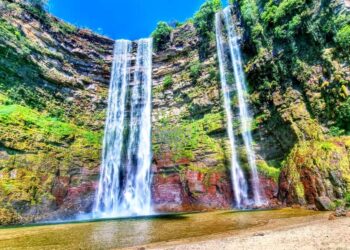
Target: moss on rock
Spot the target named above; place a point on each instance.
(317, 168)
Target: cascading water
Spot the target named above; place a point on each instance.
(240, 85)
(239, 183)
(124, 187)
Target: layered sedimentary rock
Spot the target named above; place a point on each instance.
(53, 87)
(188, 128)
(53, 95)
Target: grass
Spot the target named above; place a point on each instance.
(32, 122)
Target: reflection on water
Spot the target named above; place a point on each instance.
(137, 231)
(114, 234)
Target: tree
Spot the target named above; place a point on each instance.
(161, 35)
(204, 23)
(40, 4)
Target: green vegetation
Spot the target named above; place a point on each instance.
(195, 71)
(38, 145)
(8, 216)
(161, 35)
(347, 199)
(38, 3)
(335, 131)
(291, 40)
(44, 134)
(321, 157)
(167, 82)
(204, 23)
(185, 138)
(343, 114)
(250, 13)
(269, 171)
(35, 124)
(343, 37)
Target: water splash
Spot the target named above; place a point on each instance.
(124, 187)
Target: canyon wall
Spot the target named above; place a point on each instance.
(53, 89)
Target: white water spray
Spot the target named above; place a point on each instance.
(241, 89)
(239, 183)
(124, 187)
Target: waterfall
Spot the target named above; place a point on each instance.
(245, 119)
(239, 183)
(124, 186)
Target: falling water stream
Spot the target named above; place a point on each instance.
(238, 180)
(231, 45)
(124, 186)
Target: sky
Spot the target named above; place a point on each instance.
(123, 19)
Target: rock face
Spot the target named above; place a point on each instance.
(315, 172)
(188, 128)
(347, 3)
(53, 89)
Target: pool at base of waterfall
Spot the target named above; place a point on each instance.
(130, 232)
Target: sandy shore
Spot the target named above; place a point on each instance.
(313, 232)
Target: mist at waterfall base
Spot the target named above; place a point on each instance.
(230, 61)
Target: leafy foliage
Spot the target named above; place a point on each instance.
(347, 199)
(8, 216)
(204, 23)
(289, 40)
(195, 70)
(343, 37)
(167, 82)
(161, 35)
(343, 114)
(38, 3)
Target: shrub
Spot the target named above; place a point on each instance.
(250, 11)
(335, 131)
(343, 37)
(250, 15)
(204, 23)
(161, 35)
(347, 199)
(167, 82)
(8, 217)
(343, 115)
(37, 3)
(195, 71)
(282, 11)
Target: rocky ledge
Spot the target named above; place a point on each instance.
(53, 88)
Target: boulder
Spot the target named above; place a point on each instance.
(323, 203)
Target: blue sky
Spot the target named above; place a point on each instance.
(129, 19)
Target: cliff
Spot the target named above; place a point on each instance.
(53, 88)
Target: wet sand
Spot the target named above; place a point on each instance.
(312, 232)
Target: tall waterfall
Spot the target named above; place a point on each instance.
(124, 186)
(231, 45)
(239, 182)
